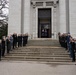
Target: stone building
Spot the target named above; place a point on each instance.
(42, 18)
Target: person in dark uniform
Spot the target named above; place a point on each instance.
(3, 45)
(0, 49)
(11, 42)
(75, 45)
(68, 41)
(72, 49)
(24, 40)
(8, 44)
(14, 40)
(19, 40)
(65, 40)
(60, 38)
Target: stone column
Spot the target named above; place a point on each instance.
(14, 23)
(58, 26)
(72, 18)
(62, 8)
(54, 27)
(27, 16)
(67, 16)
(22, 16)
(54, 20)
(33, 20)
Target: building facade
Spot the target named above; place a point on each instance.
(42, 18)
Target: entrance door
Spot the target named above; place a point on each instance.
(45, 31)
(44, 23)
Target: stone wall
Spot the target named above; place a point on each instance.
(14, 17)
(24, 19)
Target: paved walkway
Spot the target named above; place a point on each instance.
(35, 68)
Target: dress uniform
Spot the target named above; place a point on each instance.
(14, 40)
(24, 40)
(18, 40)
(8, 44)
(72, 50)
(3, 45)
(21, 40)
(0, 49)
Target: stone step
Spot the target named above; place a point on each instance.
(38, 60)
(37, 57)
(40, 52)
(61, 51)
(40, 55)
(43, 43)
(41, 48)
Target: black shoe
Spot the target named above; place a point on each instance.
(73, 60)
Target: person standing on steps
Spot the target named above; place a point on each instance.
(14, 40)
(72, 42)
(18, 39)
(21, 40)
(26, 38)
(11, 42)
(3, 45)
(0, 49)
(8, 44)
(68, 42)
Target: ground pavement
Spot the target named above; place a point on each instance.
(35, 68)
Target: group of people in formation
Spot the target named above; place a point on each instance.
(69, 43)
(11, 42)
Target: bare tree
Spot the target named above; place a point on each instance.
(4, 8)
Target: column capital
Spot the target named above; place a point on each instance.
(55, 3)
(33, 4)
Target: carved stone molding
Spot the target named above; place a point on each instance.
(33, 4)
(42, 2)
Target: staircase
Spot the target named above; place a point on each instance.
(43, 43)
(40, 50)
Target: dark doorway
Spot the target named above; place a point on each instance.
(44, 23)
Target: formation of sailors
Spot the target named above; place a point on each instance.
(11, 42)
(69, 43)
